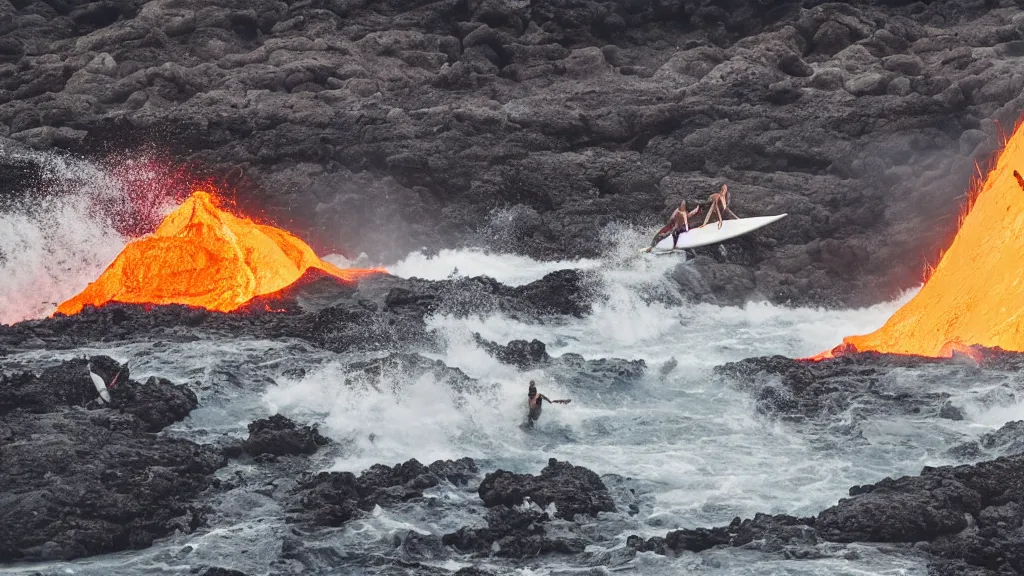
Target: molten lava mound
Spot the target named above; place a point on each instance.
(203, 256)
(975, 296)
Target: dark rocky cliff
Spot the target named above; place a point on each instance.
(383, 126)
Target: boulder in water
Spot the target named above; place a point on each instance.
(334, 498)
(280, 436)
(572, 489)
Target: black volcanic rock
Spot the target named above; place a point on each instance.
(968, 514)
(514, 533)
(572, 489)
(517, 352)
(963, 519)
(378, 312)
(520, 532)
(1008, 440)
(798, 389)
(217, 571)
(83, 482)
(772, 533)
(156, 403)
(385, 127)
(334, 498)
(280, 436)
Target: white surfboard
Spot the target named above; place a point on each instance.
(712, 234)
(100, 385)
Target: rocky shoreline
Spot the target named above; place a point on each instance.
(84, 478)
(550, 128)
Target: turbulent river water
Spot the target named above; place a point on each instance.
(693, 447)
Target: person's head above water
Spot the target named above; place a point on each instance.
(533, 389)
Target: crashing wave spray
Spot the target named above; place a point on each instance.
(59, 232)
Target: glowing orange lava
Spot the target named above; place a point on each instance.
(203, 256)
(975, 296)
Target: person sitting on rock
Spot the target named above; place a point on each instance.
(534, 403)
(1020, 181)
(678, 223)
(719, 203)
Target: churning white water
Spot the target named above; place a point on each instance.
(696, 440)
(692, 445)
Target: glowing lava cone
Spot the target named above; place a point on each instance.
(202, 256)
(975, 296)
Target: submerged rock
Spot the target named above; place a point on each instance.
(334, 498)
(572, 489)
(771, 534)
(965, 520)
(798, 389)
(512, 533)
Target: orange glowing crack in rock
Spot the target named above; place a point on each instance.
(203, 256)
(975, 296)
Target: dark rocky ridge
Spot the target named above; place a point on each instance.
(377, 313)
(351, 120)
(280, 436)
(520, 533)
(572, 489)
(805, 390)
(334, 498)
(965, 519)
(80, 480)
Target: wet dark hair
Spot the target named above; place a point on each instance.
(533, 389)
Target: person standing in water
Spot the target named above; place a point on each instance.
(534, 402)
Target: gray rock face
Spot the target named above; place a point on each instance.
(280, 436)
(333, 498)
(79, 482)
(573, 490)
(379, 312)
(436, 119)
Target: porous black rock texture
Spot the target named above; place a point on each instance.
(803, 389)
(381, 312)
(517, 524)
(968, 515)
(572, 489)
(334, 498)
(533, 125)
(771, 534)
(81, 479)
(280, 436)
(512, 533)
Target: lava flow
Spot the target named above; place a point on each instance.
(203, 256)
(975, 296)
